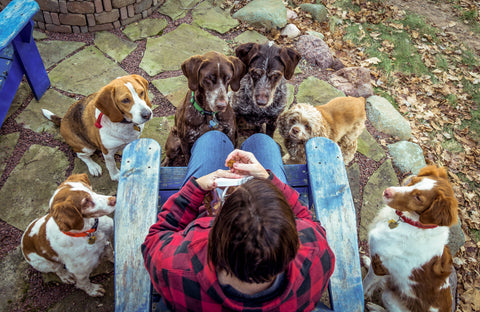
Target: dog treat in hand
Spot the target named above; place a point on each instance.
(230, 163)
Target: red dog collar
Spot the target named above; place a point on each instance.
(414, 223)
(98, 123)
(84, 234)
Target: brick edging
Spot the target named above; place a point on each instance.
(82, 16)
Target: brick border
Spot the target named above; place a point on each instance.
(82, 16)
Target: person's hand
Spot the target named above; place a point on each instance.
(245, 163)
(207, 182)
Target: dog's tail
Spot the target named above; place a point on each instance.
(52, 117)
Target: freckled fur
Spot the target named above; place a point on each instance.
(207, 77)
(73, 208)
(412, 265)
(264, 59)
(342, 120)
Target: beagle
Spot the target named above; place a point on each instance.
(106, 120)
(71, 239)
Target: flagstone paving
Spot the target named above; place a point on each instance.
(36, 159)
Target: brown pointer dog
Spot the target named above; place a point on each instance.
(206, 105)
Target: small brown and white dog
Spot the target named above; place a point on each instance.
(71, 239)
(410, 261)
(263, 92)
(106, 120)
(206, 106)
(341, 120)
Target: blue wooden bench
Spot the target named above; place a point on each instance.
(144, 186)
(19, 54)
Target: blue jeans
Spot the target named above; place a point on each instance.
(212, 148)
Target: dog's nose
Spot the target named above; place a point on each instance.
(146, 114)
(388, 193)
(221, 105)
(112, 201)
(295, 130)
(261, 100)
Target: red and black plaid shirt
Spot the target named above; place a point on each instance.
(175, 255)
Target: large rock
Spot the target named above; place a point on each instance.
(318, 11)
(269, 14)
(169, 51)
(208, 16)
(316, 92)
(96, 71)
(354, 81)
(315, 51)
(385, 118)
(382, 178)
(407, 156)
(26, 193)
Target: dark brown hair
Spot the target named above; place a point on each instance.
(254, 236)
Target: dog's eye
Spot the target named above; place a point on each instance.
(126, 101)
(307, 127)
(142, 94)
(274, 77)
(226, 79)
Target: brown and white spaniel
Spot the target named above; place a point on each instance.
(410, 260)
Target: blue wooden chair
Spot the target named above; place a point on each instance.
(144, 186)
(19, 54)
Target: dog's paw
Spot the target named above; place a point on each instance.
(372, 307)
(366, 261)
(94, 169)
(115, 176)
(66, 277)
(94, 290)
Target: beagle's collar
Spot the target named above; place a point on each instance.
(411, 222)
(98, 123)
(84, 234)
(214, 122)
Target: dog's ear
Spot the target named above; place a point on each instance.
(442, 211)
(239, 70)
(245, 52)
(290, 59)
(67, 216)
(190, 69)
(106, 103)
(81, 177)
(144, 83)
(433, 170)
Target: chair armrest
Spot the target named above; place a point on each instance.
(331, 196)
(136, 211)
(14, 17)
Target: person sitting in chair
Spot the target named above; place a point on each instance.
(262, 250)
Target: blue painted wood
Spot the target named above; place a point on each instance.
(322, 183)
(16, 28)
(136, 211)
(14, 17)
(330, 193)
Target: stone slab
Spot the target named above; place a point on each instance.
(7, 146)
(367, 146)
(32, 117)
(176, 9)
(53, 51)
(26, 193)
(23, 92)
(85, 72)
(102, 184)
(250, 36)
(168, 52)
(13, 280)
(114, 46)
(145, 28)
(208, 16)
(158, 129)
(174, 88)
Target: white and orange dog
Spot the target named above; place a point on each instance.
(106, 120)
(341, 120)
(410, 260)
(71, 239)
